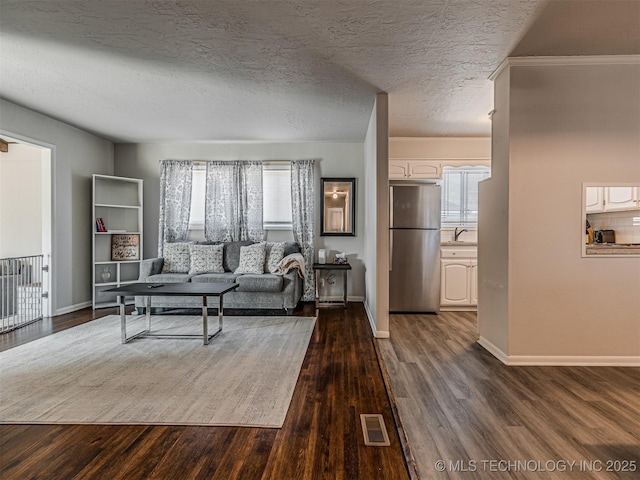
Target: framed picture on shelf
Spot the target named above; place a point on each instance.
(125, 247)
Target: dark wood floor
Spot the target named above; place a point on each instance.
(321, 437)
(460, 404)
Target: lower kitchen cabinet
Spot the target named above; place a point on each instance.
(459, 278)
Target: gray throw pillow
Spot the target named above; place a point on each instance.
(176, 258)
(252, 259)
(274, 252)
(205, 259)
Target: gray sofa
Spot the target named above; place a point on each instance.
(265, 291)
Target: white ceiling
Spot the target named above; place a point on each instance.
(286, 70)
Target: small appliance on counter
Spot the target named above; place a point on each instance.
(604, 236)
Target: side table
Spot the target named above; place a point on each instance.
(344, 267)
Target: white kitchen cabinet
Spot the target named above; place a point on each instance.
(620, 198)
(459, 273)
(400, 169)
(473, 274)
(594, 199)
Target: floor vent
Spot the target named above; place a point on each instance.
(374, 431)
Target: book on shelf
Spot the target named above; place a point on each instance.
(100, 225)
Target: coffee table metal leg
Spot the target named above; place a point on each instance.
(220, 314)
(205, 321)
(123, 320)
(148, 312)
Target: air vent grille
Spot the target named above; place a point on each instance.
(374, 430)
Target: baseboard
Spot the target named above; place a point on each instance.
(72, 308)
(559, 360)
(376, 333)
(459, 309)
(493, 350)
(338, 298)
(573, 361)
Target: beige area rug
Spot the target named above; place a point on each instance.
(244, 377)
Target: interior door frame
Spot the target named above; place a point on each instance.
(48, 218)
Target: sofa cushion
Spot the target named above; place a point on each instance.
(231, 258)
(176, 258)
(260, 283)
(205, 259)
(291, 247)
(251, 258)
(274, 252)
(169, 278)
(226, 277)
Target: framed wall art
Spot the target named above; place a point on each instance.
(125, 247)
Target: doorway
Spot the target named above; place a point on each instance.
(26, 206)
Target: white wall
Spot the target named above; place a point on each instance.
(568, 124)
(493, 230)
(377, 217)
(332, 160)
(76, 155)
(21, 173)
(437, 148)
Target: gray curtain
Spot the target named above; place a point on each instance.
(233, 205)
(303, 218)
(175, 201)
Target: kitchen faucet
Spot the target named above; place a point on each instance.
(456, 233)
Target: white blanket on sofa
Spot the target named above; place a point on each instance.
(290, 262)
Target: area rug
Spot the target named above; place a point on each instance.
(84, 375)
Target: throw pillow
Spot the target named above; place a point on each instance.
(274, 252)
(206, 259)
(176, 258)
(252, 259)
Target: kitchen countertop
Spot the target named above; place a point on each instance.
(459, 244)
(613, 249)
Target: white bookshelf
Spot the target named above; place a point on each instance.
(118, 202)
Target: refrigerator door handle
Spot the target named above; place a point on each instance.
(390, 250)
(391, 206)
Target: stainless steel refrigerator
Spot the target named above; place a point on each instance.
(414, 242)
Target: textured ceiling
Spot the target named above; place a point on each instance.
(288, 70)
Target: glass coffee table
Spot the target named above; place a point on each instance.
(148, 290)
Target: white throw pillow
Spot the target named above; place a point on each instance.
(206, 259)
(274, 253)
(176, 258)
(252, 259)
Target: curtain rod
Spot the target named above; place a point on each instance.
(266, 162)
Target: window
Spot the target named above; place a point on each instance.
(198, 188)
(460, 194)
(276, 192)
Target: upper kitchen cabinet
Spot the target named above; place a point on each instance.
(401, 169)
(620, 198)
(594, 202)
(611, 199)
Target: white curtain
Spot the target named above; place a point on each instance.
(175, 201)
(233, 201)
(303, 218)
